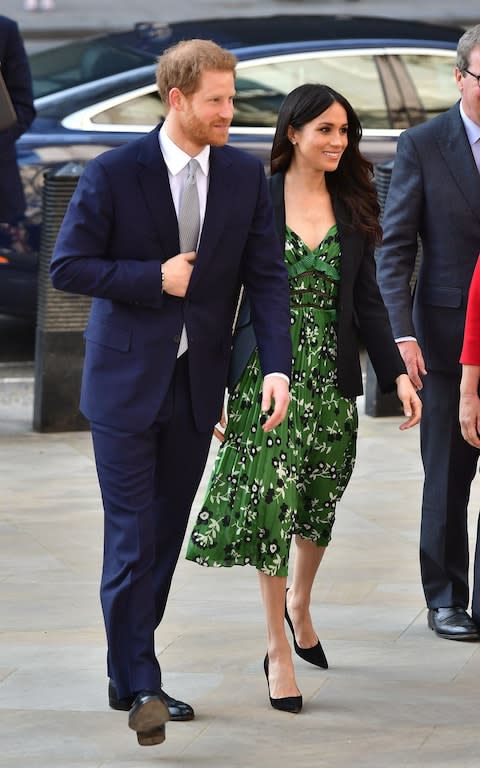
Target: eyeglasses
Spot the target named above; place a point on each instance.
(477, 77)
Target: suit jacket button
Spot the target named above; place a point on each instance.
(176, 339)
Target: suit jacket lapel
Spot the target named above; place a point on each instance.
(456, 151)
(349, 252)
(218, 199)
(153, 179)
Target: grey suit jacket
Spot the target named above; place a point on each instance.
(435, 192)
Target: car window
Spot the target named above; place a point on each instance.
(419, 85)
(146, 109)
(67, 66)
(433, 78)
(261, 87)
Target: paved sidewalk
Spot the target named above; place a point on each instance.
(395, 696)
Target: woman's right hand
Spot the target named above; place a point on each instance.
(412, 405)
(469, 416)
(469, 410)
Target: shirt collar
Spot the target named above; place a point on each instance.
(176, 159)
(472, 129)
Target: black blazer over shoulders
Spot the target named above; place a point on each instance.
(361, 317)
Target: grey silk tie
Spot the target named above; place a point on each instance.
(189, 213)
(188, 226)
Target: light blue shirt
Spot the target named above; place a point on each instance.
(473, 134)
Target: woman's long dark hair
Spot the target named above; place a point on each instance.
(352, 181)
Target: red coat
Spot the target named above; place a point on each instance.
(471, 339)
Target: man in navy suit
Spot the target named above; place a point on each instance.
(16, 74)
(152, 406)
(435, 193)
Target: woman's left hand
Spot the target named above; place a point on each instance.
(219, 428)
(412, 405)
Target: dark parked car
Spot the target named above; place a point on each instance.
(98, 93)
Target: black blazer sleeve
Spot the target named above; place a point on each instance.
(16, 73)
(244, 341)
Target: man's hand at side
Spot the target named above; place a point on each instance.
(275, 394)
(414, 362)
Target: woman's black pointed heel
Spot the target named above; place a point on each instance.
(313, 655)
(291, 704)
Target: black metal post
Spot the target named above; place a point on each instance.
(61, 319)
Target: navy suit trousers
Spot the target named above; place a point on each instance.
(148, 482)
(450, 465)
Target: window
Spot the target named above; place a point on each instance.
(56, 69)
(261, 87)
(433, 78)
(145, 109)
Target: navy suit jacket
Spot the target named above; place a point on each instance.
(119, 227)
(362, 315)
(16, 73)
(435, 192)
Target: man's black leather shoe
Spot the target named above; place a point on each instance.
(178, 710)
(453, 623)
(147, 716)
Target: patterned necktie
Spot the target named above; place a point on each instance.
(188, 227)
(476, 153)
(189, 213)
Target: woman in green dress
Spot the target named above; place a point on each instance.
(268, 487)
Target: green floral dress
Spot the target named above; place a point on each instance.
(265, 487)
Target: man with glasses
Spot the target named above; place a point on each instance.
(434, 194)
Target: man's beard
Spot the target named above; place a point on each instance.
(203, 134)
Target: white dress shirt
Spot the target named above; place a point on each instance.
(176, 161)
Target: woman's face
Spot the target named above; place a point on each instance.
(321, 142)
